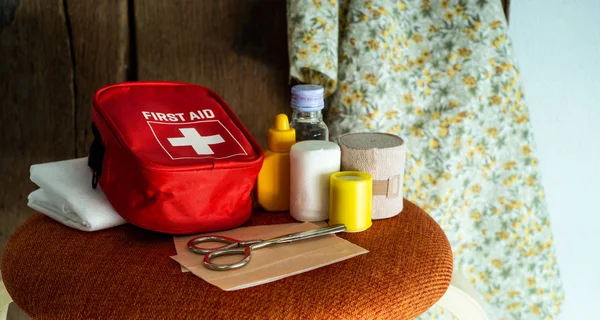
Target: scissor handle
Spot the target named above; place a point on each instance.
(245, 251)
(228, 243)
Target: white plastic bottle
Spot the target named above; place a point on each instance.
(311, 164)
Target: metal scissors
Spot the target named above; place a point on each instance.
(244, 248)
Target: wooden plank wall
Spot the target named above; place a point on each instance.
(54, 54)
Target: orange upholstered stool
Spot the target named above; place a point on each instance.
(55, 272)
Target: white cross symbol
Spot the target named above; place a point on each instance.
(192, 138)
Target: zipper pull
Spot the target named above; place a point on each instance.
(96, 156)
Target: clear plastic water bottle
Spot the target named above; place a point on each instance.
(307, 118)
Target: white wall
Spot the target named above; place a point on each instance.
(557, 46)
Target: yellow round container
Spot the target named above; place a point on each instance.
(350, 196)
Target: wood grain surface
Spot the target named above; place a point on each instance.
(36, 99)
(100, 48)
(237, 48)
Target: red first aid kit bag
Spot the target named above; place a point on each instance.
(172, 157)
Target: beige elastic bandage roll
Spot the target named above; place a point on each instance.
(382, 155)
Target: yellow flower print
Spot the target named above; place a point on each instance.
(417, 38)
(496, 211)
(420, 83)
(427, 91)
(518, 95)
(482, 276)
(495, 99)
(428, 79)
(493, 132)
(330, 85)
(459, 10)
(451, 57)
(457, 67)
(357, 96)
(444, 4)
(364, 17)
(480, 148)
(494, 25)
(438, 75)
(427, 177)
(435, 115)
(509, 165)
(420, 61)
(426, 72)
(307, 38)
(399, 67)
(510, 180)
(522, 119)
(448, 15)
(345, 86)
(408, 99)
(534, 162)
(497, 263)
(390, 114)
(401, 6)
(394, 129)
(526, 150)
(451, 72)
(303, 53)
(373, 114)
(373, 44)
(531, 282)
(446, 176)
(419, 111)
(352, 41)
(453, 104)
(426, 54)
(385, 33)
(464, 52)
(495, 43)
(334, 111)
(329, 65)
(433, 29)
(513, 294)
(443, 131)
(470, 81)
(476, 189)
(317, 4)
(371, 78)
(434, 143)
(347, 100)
(416, 131)
(503, 235)
(506, 88)
(476, 25)
(381, 11)
(333, 3)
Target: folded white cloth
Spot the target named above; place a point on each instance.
(66, 195)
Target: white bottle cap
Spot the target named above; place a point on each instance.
(307, 98)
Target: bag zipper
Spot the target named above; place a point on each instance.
(96, 156)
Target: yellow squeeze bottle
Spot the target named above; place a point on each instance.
(273, 184)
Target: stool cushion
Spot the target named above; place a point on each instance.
(55, 272)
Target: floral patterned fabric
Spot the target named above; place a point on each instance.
(441, 74)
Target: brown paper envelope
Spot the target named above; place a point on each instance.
(270, 263)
